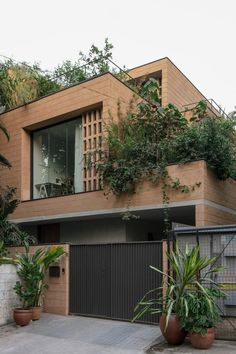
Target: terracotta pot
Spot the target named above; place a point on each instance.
(22, 317)
(200, 341)
(36, 313)
(173, 334)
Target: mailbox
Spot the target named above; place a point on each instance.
(54, 271)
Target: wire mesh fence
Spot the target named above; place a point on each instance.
(218, 243)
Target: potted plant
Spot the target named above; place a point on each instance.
(32, 270)
(42, 259)
(24, 289)
(170, 299)
(203, 315)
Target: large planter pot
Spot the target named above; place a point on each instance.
(36, 312)
(173, 334)
(202, 341)
(22, 317)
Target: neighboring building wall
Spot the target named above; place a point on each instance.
(56, 298)
(8, 298)
(93, 231)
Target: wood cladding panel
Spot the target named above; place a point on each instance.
(92, 147)
(146, 194)
(104, 91)
(210, 216)
(181, 91)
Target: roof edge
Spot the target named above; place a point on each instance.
(66, 88)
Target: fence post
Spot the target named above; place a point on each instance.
(164, 264)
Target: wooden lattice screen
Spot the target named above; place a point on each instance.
(92, 145)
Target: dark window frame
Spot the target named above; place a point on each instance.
(32, 158)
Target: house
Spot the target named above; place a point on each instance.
(61, 199)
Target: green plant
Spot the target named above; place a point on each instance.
(203, 312)
(4, 255)
(186, 272)
(140, 146)
(32, 270)
(27, 272)
(21, 83)
(10, 233)
(44, 258)
(86, 66)
(210, 139)
(142, 143)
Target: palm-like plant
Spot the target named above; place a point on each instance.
(32, 270)
(185, 274)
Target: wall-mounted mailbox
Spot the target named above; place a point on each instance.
(54, 271)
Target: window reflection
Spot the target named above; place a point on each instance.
(57, 160)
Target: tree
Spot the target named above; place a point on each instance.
(21, 83)
(92, 64)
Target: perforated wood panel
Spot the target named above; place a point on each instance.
(92, 145)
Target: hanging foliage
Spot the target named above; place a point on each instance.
(144, 142)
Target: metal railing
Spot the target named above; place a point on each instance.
(217, 242)
(216, 109)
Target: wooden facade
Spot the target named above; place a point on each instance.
(96, 102)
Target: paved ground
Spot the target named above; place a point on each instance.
(80, 335)
(219, 347)
(77, 335)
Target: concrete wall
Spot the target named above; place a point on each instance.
(56, 299)
(109, 230)
(138, 230)
(93, 231)
(8, 297)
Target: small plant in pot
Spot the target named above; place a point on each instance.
(203, 315)
(170, 299)
(32, 270)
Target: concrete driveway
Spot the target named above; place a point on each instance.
(70, 335)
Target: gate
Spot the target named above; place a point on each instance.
(107, 280)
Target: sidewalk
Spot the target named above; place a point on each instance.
(54, 334)
(219, 347)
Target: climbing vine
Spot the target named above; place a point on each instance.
(149, 137)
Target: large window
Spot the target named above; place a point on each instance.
(57, 160)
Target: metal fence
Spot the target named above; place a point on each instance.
(218, 242)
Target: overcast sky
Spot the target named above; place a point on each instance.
(197, 35)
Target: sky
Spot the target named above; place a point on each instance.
(197, 35)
